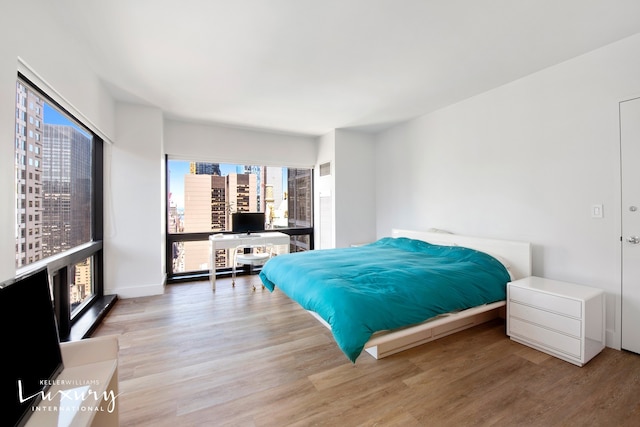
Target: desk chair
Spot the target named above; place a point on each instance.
(251, 255)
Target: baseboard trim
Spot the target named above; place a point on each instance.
(138, 291)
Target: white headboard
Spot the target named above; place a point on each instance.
(517, 254)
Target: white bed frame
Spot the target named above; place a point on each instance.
(517, 255)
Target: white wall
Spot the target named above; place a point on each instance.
(351, 155)
(135, 228)
(524, 162)
(344, 201)
(355, 188)
(28, 31)
(225, 144)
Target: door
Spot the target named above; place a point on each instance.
(630, 173)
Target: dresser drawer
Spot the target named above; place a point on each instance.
(566, 306)
(545, 337)
(567, 325)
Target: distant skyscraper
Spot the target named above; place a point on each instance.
(259, 172)
(66, 183)
(242, 194)
(219, 204)
(53, 182)
(28, 174)
(197, 218)
(274, 176)
(208, 202)
(81, 286)
(273, 203)
(300, 204)
(197, 203)
(200, 168)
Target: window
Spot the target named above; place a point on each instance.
(56, 158)
(81, 286)
(202, 196)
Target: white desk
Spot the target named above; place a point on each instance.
(229, 241)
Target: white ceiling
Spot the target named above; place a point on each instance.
(309, 66)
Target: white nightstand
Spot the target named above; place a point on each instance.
(562, 319)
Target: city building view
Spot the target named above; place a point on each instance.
(53, 187)
(203, 196)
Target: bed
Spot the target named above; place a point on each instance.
(400, 291)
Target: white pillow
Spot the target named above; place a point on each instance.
(505, 263)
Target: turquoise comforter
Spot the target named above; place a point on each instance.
(388, 284)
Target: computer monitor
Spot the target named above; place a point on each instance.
(247, 222)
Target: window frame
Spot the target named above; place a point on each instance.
(59, 265)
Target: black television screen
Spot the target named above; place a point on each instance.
(247, 222)
(31, 356)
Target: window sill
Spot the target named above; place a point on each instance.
(84, 326)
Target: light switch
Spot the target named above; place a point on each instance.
(596, 211)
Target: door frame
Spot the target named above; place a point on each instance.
(620, 227)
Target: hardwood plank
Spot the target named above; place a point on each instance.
(236, 357)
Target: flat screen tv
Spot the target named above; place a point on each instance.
(247, 222)
(31, 357)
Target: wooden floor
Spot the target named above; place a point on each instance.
(235, 357)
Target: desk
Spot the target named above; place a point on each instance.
(229, 241)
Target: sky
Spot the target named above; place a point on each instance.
(177, 170)
(53, 117)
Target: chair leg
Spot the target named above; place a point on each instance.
(233, 276)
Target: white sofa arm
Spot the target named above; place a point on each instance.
(90, 350)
